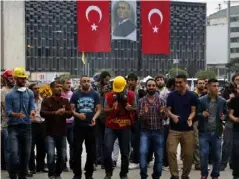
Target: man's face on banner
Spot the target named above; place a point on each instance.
(123, 10)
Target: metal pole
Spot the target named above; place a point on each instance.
(2, 35)
(228, 33)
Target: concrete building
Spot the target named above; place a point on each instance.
(42, 36)
(217, 40)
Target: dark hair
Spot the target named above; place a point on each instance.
(83, 76)
(212, 80)
(103, 75)
(151, 79)
(132, 76)
(159, 76)
(200, 80)
(182, 76)
(32, 85)
(170, 83)
(52, 84)
(123, 2)
(234, 76)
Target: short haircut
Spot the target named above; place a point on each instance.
(170, 83)
(160, 76)
(103, 75)
(124, 2)
(200, 80)
(151, 79)
(52, 84)
(83, 76)
(31, 86)
(234, 76)
(182, 76)
(132, 76)
(64, 79)
(212, 80)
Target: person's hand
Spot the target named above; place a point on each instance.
(205, 114)
(93, 122)
(222, 117)
(21, 115)
(175, 118)
(82, 116)
(129, 107)
(146, 108)
(161, 109)
(115, 105)
(232, 95)
(33, 115)
(190, 122)
(61, 111)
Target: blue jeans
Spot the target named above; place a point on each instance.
(157, 138)
(19, 142)
(124, 137)
(205, 139)
(58, 143)
(5, 141)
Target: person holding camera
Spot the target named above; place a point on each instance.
(120, 106)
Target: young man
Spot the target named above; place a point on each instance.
(9, 84)
(55, 110)
(181, 110)
(234, 116)
(20, 110)
(152, 114)
(38, 135)
(210, 113)
(86, 109)
(67, 94)
(120, 108)
(160, 82)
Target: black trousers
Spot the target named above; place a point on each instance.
(235, 154)
(100, 132)
(81, 134)
(38, 140)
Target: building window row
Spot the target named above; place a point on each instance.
(234, 39)
(234, 50)
(235, 19)
(234, 29)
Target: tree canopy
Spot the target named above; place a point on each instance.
(209, 73)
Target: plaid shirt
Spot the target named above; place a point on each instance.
(154, 118)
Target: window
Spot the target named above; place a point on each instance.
(234, 29)
(234, 39)
(234, 50)
(235, 19)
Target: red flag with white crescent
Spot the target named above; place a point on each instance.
(155, 23)
(93, 23)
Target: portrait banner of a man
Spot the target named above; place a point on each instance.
(123, 20)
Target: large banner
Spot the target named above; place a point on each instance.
(123, 20)
(155, 22)
(93, 23)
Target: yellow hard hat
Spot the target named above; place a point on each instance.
(119, 84)
(20, 73)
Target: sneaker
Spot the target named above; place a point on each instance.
(58, 177)
(76, 177)
(197, 167)
(124, 177)
(165, 169)
(133, 166)
(52, 177)
(203, 177)
(185, 177)
(222, 168)
(88, 177)
(107, 176)
(114, 163)
(66, 169)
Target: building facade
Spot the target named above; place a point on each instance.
(51, 42)
(217, 40)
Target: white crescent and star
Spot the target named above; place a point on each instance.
(98, 10)
(155, 11)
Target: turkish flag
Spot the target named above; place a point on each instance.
(155, 23)
(93, 23)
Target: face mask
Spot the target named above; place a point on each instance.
(22, 89)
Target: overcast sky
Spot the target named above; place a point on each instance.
(212, 5)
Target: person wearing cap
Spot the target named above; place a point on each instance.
(120, 108)
(20, 109)
(9, 84)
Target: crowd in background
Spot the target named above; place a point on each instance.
(142, 123)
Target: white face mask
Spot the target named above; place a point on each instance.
(22, 89)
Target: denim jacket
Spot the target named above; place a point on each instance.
(203, 105)
(17, 102)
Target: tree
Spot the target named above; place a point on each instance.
(209, 73)
(233, 65)
(173, 72)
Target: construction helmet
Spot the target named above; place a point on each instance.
(119, 84)
(7, 73)
(20, 73)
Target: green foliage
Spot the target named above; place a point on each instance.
(173, 72)
(209, 73)
(233, 65)
(67, 76)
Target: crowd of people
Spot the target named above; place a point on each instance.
(144, 124)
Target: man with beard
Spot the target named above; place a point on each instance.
(234, 116)
(120, 107)
(199, 91)
(20, 110)
(9, 84)
(55, 110)
(151, 111)
(38, 135)
(160, 82)
(86, 109)
(181, 105)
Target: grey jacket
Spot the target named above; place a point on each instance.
(203, 105)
